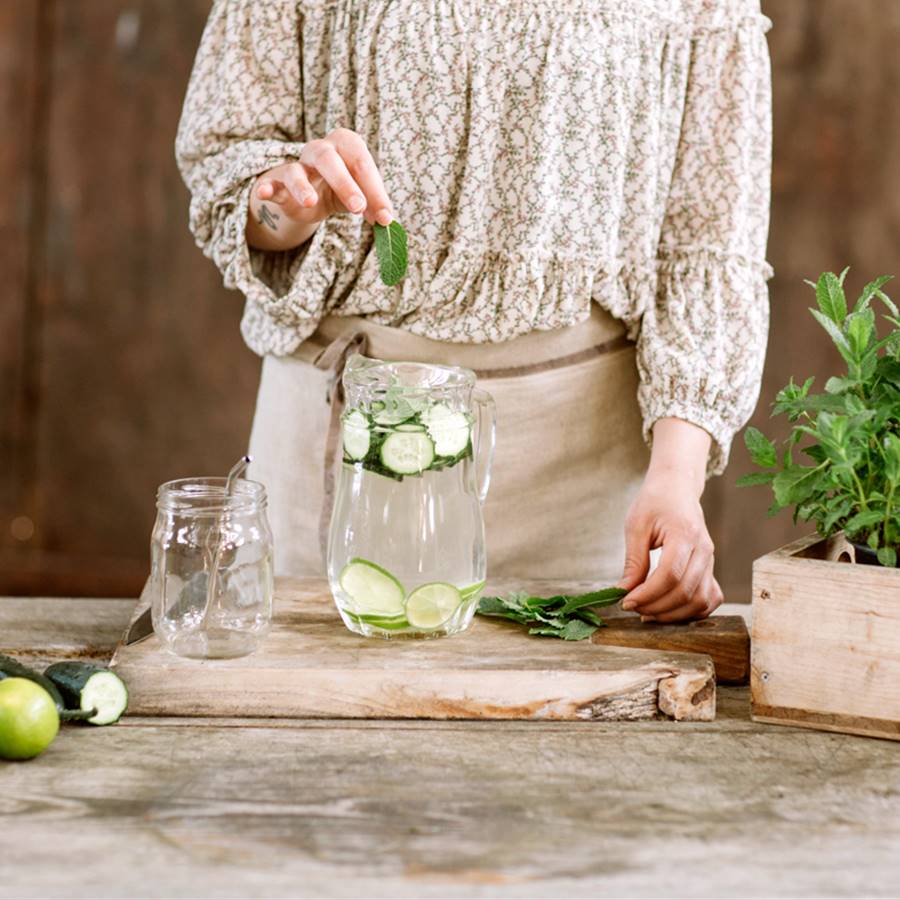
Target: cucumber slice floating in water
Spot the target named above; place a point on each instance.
(449, 430)
(407, 452)
(432, 605)
(356, 435)
(372, 590)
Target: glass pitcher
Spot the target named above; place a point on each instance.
(406, 554)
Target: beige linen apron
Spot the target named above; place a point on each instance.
(569, 456)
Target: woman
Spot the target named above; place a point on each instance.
(585, 184)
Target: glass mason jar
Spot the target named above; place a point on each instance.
(406, 554)
(211, 575)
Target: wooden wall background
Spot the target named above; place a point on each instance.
(121, 365)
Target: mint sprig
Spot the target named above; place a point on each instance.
(390, 247)
(849, 435)
(570, 617)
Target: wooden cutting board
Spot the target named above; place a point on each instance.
(311, 666)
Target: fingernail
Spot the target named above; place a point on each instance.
(384, 217)
(309, 199)
(628, 604)
(356, 203)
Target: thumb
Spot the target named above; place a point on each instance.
(637, 557)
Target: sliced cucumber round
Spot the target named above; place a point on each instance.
(432, 605)
(449, 430)
(372, 590)
(407, 452)
(410, 427)
(395, 411)
(357, 437)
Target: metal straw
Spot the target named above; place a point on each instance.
(235, 472)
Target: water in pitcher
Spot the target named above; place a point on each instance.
(406, 549)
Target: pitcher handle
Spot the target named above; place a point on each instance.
(485, 440)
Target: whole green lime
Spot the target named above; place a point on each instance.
(28, 719)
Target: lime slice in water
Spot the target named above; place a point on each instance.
(471, 591)
(431, 605)
(372, 590)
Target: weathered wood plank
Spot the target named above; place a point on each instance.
(825, 639)
(453, 810)
(42, 629)
(725, 639)
(310, 665)
(143, 373)
(20, 82)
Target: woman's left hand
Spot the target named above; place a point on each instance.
(667, 514)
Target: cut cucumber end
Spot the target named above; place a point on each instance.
(372, 590)
(431, 605)
(106, 694)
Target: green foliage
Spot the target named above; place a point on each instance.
(568, 617)
(850, 434)
(390, 247)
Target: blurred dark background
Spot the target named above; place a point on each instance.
(121, 365)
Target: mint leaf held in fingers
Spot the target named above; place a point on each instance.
(390, 246)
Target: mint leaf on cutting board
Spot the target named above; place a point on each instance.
(568, 617)
(390, 247)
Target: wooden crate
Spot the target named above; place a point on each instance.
(825, 647)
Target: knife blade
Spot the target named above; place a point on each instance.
(142, 626)
(191, 599)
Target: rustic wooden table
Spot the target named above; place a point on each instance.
(179, 808)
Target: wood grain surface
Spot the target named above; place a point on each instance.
(825, 642)
(725, 639)
(311, 665)
(432, 810)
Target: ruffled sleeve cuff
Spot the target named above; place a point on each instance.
(702, 345)
(286, 291)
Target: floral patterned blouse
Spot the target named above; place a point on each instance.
(542, 154)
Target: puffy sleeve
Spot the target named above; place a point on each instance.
(243, 114)
(702, 340)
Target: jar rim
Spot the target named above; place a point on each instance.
(205, 495)
(402, 377)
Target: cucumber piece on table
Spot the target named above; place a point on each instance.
(12, 668)
(449, 430)
(432, 605)
(357, 437)
(407, 452)
(91, 689)
(372, 590)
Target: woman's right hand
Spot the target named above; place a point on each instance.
(333, 175)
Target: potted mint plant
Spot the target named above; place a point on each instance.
(840, 466)
(824, 633)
